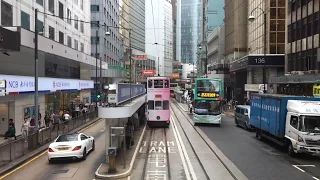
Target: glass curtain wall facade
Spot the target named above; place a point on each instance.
(303, 35)
(137, 24)
(191, 27)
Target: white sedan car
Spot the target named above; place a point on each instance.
(71, 146)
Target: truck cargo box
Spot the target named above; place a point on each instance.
(273, 112)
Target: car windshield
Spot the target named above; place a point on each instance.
(67, 137)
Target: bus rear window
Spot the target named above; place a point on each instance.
(158, 105)
(151, 105)
(165, 105)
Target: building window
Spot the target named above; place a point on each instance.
(40, 26)
(40, 2)
(6, 14)
(69, 16)
(51, 33)
(94, 8)
(61, 37)
(82, 26)
(25, 20)
(82, 47)
(315, 23)
(281, 13)
(280, 48)
(273, 37)
(94, 23)
(61, 14)
(76, 22)
(69, 41)
(51, 6)
(81, 4)
(76, 45)
(273, 49)
(76, 2)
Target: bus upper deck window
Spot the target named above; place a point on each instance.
(166, 84)
(150, 83)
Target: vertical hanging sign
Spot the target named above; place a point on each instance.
(3, 86)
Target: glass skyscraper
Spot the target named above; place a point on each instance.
(189, 19)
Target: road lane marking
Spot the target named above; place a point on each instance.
(179, 141)
(315, 178)
(102, 130)
(129, 177)
(39, 155)
(296, 166)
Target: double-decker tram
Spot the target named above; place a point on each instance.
(207, 100)
(158, 101)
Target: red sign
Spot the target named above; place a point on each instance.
(147, 72)
(141, 56)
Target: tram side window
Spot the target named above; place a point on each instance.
(166, 84)
(158, 105)
(151, 105)
(165, 105)
(150, 83)
(158, 83)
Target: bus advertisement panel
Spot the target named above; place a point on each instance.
(207, 104)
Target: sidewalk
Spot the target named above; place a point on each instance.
(16, 152)
(228, 113)
(129, 158)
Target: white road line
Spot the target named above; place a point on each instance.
(315, 178)
(102, 130)
(298, 168)
(194, 177)
(180, 152)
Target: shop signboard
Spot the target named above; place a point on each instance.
(25, 84)
(316, 90)
(257, 60)
(123, 91)
(147, 72)
(254, 87)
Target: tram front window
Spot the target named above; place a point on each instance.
(207, 107)
(158, 83)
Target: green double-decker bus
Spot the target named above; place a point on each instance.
(207, 100)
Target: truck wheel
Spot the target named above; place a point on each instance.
(291, 150)
(258, 135)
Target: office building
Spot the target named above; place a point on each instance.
(64, 60)
(136, 20)
(213, 15)
(189, 29)
(302, 50)
(159, 30)
(105, 17)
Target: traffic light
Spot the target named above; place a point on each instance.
(98, 96)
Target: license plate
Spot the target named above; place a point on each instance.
(62, 149)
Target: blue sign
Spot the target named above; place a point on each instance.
(124, 94)
(112, 151)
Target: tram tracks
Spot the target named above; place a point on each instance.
(149, 156)
(196, 130)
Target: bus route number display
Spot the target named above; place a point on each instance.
(207, 95)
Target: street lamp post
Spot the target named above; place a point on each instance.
(206, 62)
(251, 18)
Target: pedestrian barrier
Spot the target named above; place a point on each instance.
(20, 147)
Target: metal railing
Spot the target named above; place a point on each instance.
(20, 147)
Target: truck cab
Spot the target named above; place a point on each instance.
(303, 127)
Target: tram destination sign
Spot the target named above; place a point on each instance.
(203, 94)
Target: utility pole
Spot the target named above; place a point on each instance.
(36, 103)
(158, 66)
(130, 54)
(97, 34)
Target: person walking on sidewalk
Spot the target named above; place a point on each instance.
(11, 130)
(24, 129)
(129, 133)
(56, 121)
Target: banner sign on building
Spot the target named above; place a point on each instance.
(175, 75)
(147, 72)
(316, 90)
(254, 87)
(123, 91)
(3, 86)
(257, 60)
(25, 84)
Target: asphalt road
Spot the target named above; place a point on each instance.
(260, 160)
(40, 169)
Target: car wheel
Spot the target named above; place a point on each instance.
(84, 155)
(93, 146)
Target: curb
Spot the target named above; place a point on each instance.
(128, 172)
(229, 164)
(38, 152)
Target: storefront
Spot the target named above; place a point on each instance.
(54, 93)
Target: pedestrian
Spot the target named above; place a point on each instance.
(56, 121)
(47, 119)
(24, 129)
(129, 133)
(11, 130)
